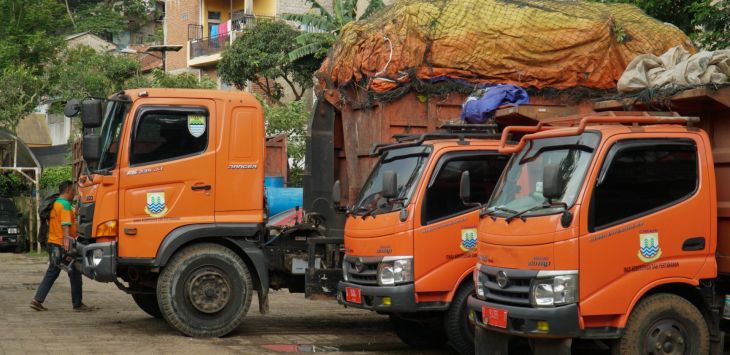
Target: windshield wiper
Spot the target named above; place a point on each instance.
(495, 209)
(535, 208)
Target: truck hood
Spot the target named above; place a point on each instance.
(382, 235)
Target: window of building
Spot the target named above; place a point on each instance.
(641, 176)
(442, 196)
(168, 134)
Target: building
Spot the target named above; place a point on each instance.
(90, 40)
(204, 27)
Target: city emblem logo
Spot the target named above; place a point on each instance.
(196, 125)
(468, 239)
(649, 247)
(156, 204)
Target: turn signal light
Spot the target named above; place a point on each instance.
(107, 229)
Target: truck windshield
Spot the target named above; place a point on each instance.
(519, 191)
(111, 131)
(408, 164)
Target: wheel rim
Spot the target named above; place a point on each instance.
(209, 290)
(666, 336)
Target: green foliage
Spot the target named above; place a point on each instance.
(20, 92)
(29, 34)
(52, 177)
(714, 21)
(161, 79)
(289, 119)
(260, 55)
(10, 184)
(707, 22)
(326, 26)
(106, 18)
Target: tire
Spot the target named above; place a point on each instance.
(666, 320)
(205, 291)
(420, 335)
(459, 329)
(148, 303)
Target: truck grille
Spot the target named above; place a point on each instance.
(363, 271)
(85, 219)
(517, 290)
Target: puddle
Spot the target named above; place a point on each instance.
(311, 348)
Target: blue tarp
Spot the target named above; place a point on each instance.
(480, 106)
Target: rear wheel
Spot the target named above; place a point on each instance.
(459, 327)
(417, 333)
(148, 303)
(205, 291)
(665, 324)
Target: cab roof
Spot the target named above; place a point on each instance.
(242, 97)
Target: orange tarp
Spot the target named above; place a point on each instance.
(557, 44)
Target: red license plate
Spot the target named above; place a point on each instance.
(494, 317)
(352, 294)
(1, 239)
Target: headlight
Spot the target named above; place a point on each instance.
(12, 230)
(556, 290)
(478, 286)
(395, 272)
(96, 256)
(344, 269)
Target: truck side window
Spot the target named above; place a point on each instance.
(641, 176)
(164, 135)
(442, 196)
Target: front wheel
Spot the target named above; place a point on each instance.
(418, 334)
(205, 291)
(459, 328)
(665, 324)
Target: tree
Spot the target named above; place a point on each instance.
(30, 33)
(105, 18)
(260, 55)
(713, 20)
(20, 92)
(289, 119)
(325, 26)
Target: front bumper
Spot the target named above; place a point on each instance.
(402, 297)
(103, 271)
(522, 321)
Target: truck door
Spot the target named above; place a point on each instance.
(167, 175)
(644, 222)
(445, 236)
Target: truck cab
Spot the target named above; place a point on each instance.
(601, 229)
(410, 240)
(171, 208)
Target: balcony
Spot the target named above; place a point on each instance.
(206, 51)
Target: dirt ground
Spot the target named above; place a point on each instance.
(119, 327)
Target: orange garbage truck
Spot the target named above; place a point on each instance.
(610, 226)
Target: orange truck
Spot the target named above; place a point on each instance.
(410, 242)
(610, 226)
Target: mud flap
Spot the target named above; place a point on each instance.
(322, 283)
(263, 301)
(717, 347)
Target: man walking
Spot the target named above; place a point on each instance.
(62, 223)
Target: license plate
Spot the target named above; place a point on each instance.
(352, 295)
(494, 317)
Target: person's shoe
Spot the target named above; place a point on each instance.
(37, 305)
(83, 308)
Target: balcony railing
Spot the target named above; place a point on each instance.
(203, 46)
(209, 45)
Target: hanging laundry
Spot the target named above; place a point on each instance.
(213, 31)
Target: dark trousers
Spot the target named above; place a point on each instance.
(54, 252)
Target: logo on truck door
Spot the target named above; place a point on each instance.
(196, 125)
(468, 239)
(156, 204)
(649, 247)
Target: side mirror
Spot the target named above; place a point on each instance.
(390, 184)
(552, 182)
(92, 148)
(465, 190)
(72, 108)
(91, 114)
